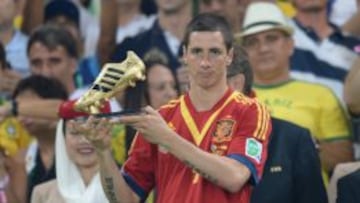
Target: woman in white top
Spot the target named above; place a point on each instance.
(78, 179)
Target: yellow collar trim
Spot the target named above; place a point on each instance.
(190, 123)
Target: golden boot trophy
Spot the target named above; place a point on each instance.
(113, 78)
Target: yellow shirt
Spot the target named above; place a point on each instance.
(311, 106)
(13, 136)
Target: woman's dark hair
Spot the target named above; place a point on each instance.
(46, 88)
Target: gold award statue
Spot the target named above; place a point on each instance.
(113, 78)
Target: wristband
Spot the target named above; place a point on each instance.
(67, 110)
(14, 108)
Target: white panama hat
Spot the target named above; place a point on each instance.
(263, 16)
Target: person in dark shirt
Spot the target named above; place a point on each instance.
(34, 88)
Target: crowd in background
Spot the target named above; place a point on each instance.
(298, 57)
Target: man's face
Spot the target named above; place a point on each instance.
(52, 63)
(207, 59)
(269, 52)
(171, 6)
(7, 12)
(310, 5)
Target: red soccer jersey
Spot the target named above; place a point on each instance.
(237, 127)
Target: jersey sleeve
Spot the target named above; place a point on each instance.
(334, 123)
(250, 141)
(138, 170)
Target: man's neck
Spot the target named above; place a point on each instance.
(127, 12)
(176, 22)
(6, 34)
(317, 21)
(270, 80)
(205, 99)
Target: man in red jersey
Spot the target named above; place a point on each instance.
(210, 145)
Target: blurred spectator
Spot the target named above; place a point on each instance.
(161, 85)
(323, 52)
(267, 38)
(232, 10)
(35, 88)
(53, 53)
(130, 20)
(165, 34)
(121, 19)
(88, 24)
(108, 27)
(78, 178)
(65, 14)
(8, 78)
(292, 158)
(89, 28)
(13, 141)
(13, 40)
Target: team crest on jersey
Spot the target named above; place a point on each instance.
(221, 136)
(253, 149)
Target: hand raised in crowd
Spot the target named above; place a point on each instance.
(13, 176)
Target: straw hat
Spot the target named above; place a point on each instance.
(263, 16)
